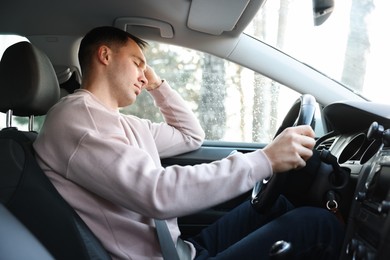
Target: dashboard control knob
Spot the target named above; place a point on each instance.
(360, 196)
(384, 207)
(375, 131)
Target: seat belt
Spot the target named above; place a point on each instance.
(168, 248)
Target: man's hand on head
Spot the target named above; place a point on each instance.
(154, 81)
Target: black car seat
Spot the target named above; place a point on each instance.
(28, 88)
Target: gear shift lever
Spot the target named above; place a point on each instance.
(280, 250)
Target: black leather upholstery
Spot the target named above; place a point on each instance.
(24, 189)
(28, 82)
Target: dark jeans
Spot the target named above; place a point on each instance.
(244, 234)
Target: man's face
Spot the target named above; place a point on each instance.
(126, 73)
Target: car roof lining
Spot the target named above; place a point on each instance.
(64, 32)
(84, 15)
(70, 20)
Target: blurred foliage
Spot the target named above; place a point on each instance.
(198, 78)
(178, 68)
(212, 113)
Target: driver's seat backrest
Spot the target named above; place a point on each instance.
(29, 87)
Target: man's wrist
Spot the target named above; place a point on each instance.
(155, 85)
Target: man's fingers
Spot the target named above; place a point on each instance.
(305, 130)
(305, 153)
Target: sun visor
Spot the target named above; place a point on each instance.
(216, 16)
(134, 24)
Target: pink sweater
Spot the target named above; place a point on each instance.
(107, 166)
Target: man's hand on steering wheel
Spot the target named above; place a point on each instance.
(291, 148)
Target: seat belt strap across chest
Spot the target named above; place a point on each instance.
(167, 245)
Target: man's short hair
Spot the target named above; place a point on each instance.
(108, 35)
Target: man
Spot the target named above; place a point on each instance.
(107, 166)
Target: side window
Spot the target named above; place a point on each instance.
(231, 102)
(20, 122)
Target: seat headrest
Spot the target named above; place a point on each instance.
(28, 82)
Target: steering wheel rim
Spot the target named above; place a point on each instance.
(265, 192)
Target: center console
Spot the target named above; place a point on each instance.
(368, 230)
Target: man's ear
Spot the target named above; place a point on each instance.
(103, 54)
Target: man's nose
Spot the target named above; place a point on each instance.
(143, 80)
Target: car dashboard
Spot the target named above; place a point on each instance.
(361, 142)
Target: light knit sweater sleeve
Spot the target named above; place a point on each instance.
(128, 176)
(183, 132)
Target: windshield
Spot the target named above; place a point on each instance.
(351, 46)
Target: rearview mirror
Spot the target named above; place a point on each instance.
(322, 10)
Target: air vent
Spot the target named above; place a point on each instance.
(326, 144)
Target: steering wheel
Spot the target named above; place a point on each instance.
(265, 192)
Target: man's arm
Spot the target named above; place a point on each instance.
(182, 132)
